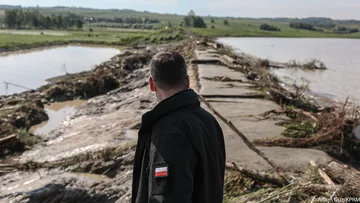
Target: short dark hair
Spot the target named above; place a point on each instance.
(168, 70)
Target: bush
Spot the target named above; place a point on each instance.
(212, 27)
(90, 29)
(302, 26)
(268, 27)
(226, 22)
(345, 30)
(353, 30)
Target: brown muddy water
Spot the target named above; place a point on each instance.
(57, 113)
(31, 69)
(341, 56)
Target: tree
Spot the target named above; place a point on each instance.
(226, 22)
(10, 18)
(59, 21)
(79, 24)
(212, 20)
(269, 27)
(35, 21)
(194, 21)
(191, 13)
(47, 23)
(19, 18)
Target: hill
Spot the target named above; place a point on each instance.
(100, 13)
(237, 27)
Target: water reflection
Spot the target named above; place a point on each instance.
(31, 69)
(57, 113)
(339, 55)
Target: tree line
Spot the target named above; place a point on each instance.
(128, 20)
(19, 19)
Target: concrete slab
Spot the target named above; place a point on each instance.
(211, 70)
(224, 88)
(245, 115)
(209, 54)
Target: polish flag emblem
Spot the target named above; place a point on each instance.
(161, 172)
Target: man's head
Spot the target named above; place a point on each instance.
(168, 74)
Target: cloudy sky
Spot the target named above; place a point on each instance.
(340, 9)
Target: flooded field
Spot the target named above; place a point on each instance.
(339, 55)
(29, 70)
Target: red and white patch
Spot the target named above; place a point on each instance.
(161, 172)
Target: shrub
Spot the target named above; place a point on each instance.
(303, 26)
(269, 27)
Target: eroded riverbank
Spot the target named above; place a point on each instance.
(89, 157)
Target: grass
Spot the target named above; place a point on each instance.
(251, 28)
(25, 39)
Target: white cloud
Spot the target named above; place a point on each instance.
(144, 2)
(286, 8)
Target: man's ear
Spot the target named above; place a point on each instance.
(187, 81)
(152, 84)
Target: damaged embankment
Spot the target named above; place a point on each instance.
(19, 112)
(326, 128)
(90, 158)
(104, 175)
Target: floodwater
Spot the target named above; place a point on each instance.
(31, 69)
(341, 56)
(57, 113)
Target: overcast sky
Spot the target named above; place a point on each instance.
(339, 9)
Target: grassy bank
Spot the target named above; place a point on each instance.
(251, 28)
(13, 40)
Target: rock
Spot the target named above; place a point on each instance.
(252, 76)
(39, 104)
(44, 101)
(36, 116)
(264, 63)
(19, 122)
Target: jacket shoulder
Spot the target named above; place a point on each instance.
(179, 121)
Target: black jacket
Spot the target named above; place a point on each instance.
(180, 155)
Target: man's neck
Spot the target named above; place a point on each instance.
(162, 95)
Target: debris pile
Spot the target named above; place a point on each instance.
(309, 125)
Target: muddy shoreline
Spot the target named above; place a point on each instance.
(89, 157)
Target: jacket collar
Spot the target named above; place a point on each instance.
(178, 101)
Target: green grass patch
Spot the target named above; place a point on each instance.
(251, 28)
(11, 40)
(300, 130)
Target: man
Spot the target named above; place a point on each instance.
(180, 155)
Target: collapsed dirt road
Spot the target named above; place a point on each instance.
(89, 158)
